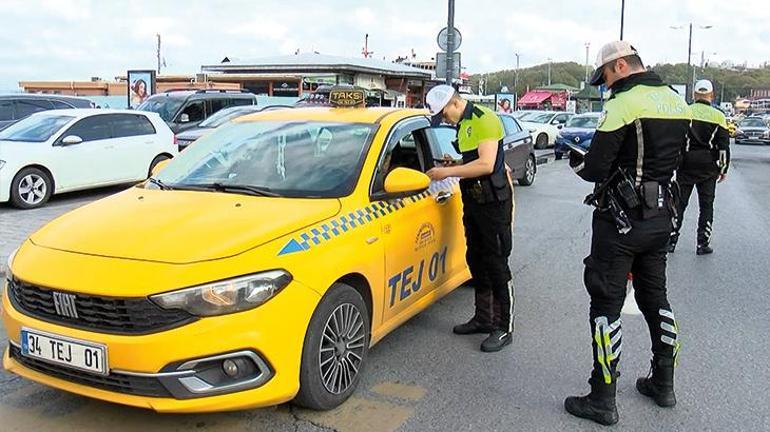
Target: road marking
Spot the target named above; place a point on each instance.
(400, 391)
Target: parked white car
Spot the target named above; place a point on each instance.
(544, 125)
(73, 149)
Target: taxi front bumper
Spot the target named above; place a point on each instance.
(173, 370)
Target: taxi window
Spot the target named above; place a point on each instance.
(406, 149)
(293, 159)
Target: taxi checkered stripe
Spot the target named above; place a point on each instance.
(352, 220)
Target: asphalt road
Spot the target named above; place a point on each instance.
(423, 378)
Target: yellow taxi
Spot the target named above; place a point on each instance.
(256, 268)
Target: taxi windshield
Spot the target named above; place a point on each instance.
(273, 158)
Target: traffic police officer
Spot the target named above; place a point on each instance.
(487, 211)
(706, 160)
(638, 143)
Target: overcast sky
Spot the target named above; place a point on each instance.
(78, 39)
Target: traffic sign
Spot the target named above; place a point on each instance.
(441, 65)
(442, 38)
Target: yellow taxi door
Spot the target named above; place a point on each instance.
(420, 240)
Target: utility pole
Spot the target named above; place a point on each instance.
(450, 41)
(690, 72)
(690, 68)
(516, 80)
(588, 44)
(158, 52)
(622, 16)
(549, 71)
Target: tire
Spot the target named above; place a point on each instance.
(158, 159)
(541, 141)
(321, 388)
(31, 188)
(530, 169)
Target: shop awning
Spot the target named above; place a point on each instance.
(534, 97)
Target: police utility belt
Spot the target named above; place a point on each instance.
(618, 195)
(487, 189)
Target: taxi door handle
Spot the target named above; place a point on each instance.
(443, 196)
(372, 240)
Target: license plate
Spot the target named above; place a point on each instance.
(73, 353)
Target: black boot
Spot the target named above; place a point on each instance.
(599, 405)
(472, 327)
(659, 384)
(496, 341)
(704, 249)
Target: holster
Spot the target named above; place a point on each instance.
(487, 189)
(655, 198)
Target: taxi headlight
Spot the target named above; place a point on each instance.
(227, 296)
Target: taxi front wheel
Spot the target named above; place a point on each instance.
(335, 349)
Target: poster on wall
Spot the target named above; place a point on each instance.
(505, 102)
(141, 85)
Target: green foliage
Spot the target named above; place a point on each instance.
(736, 83)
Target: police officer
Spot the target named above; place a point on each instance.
(487, 211)
(638, 143)
(706, 160)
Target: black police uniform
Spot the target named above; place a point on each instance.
(643, 133)
(487, 218)
(706, 157)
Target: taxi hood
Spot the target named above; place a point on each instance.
(180, 227)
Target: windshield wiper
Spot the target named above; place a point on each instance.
(160, 184)
(231, 188)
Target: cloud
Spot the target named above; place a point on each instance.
(75, 39)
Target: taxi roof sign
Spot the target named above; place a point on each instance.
(347, 97)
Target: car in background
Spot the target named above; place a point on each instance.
(73, 149)
(185, 109)
(519, 150)
(752, 130)
(219, 118)
(578, 131)
(16, 107)
(517, 145)
(545, 125)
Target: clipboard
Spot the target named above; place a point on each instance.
(577, 149)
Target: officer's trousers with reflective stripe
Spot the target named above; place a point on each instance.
(706, 192)
(642, 252)
(489, 242)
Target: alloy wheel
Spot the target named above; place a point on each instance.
(342, 348)
(32, 189)
(530, 170)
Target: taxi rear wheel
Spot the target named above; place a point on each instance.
(335, 349)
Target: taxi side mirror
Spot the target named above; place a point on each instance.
(405, 181)
(159, 166)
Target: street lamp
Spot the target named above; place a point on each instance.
(690, 71)
(516, 78)
(549, 71)
(588, 45)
